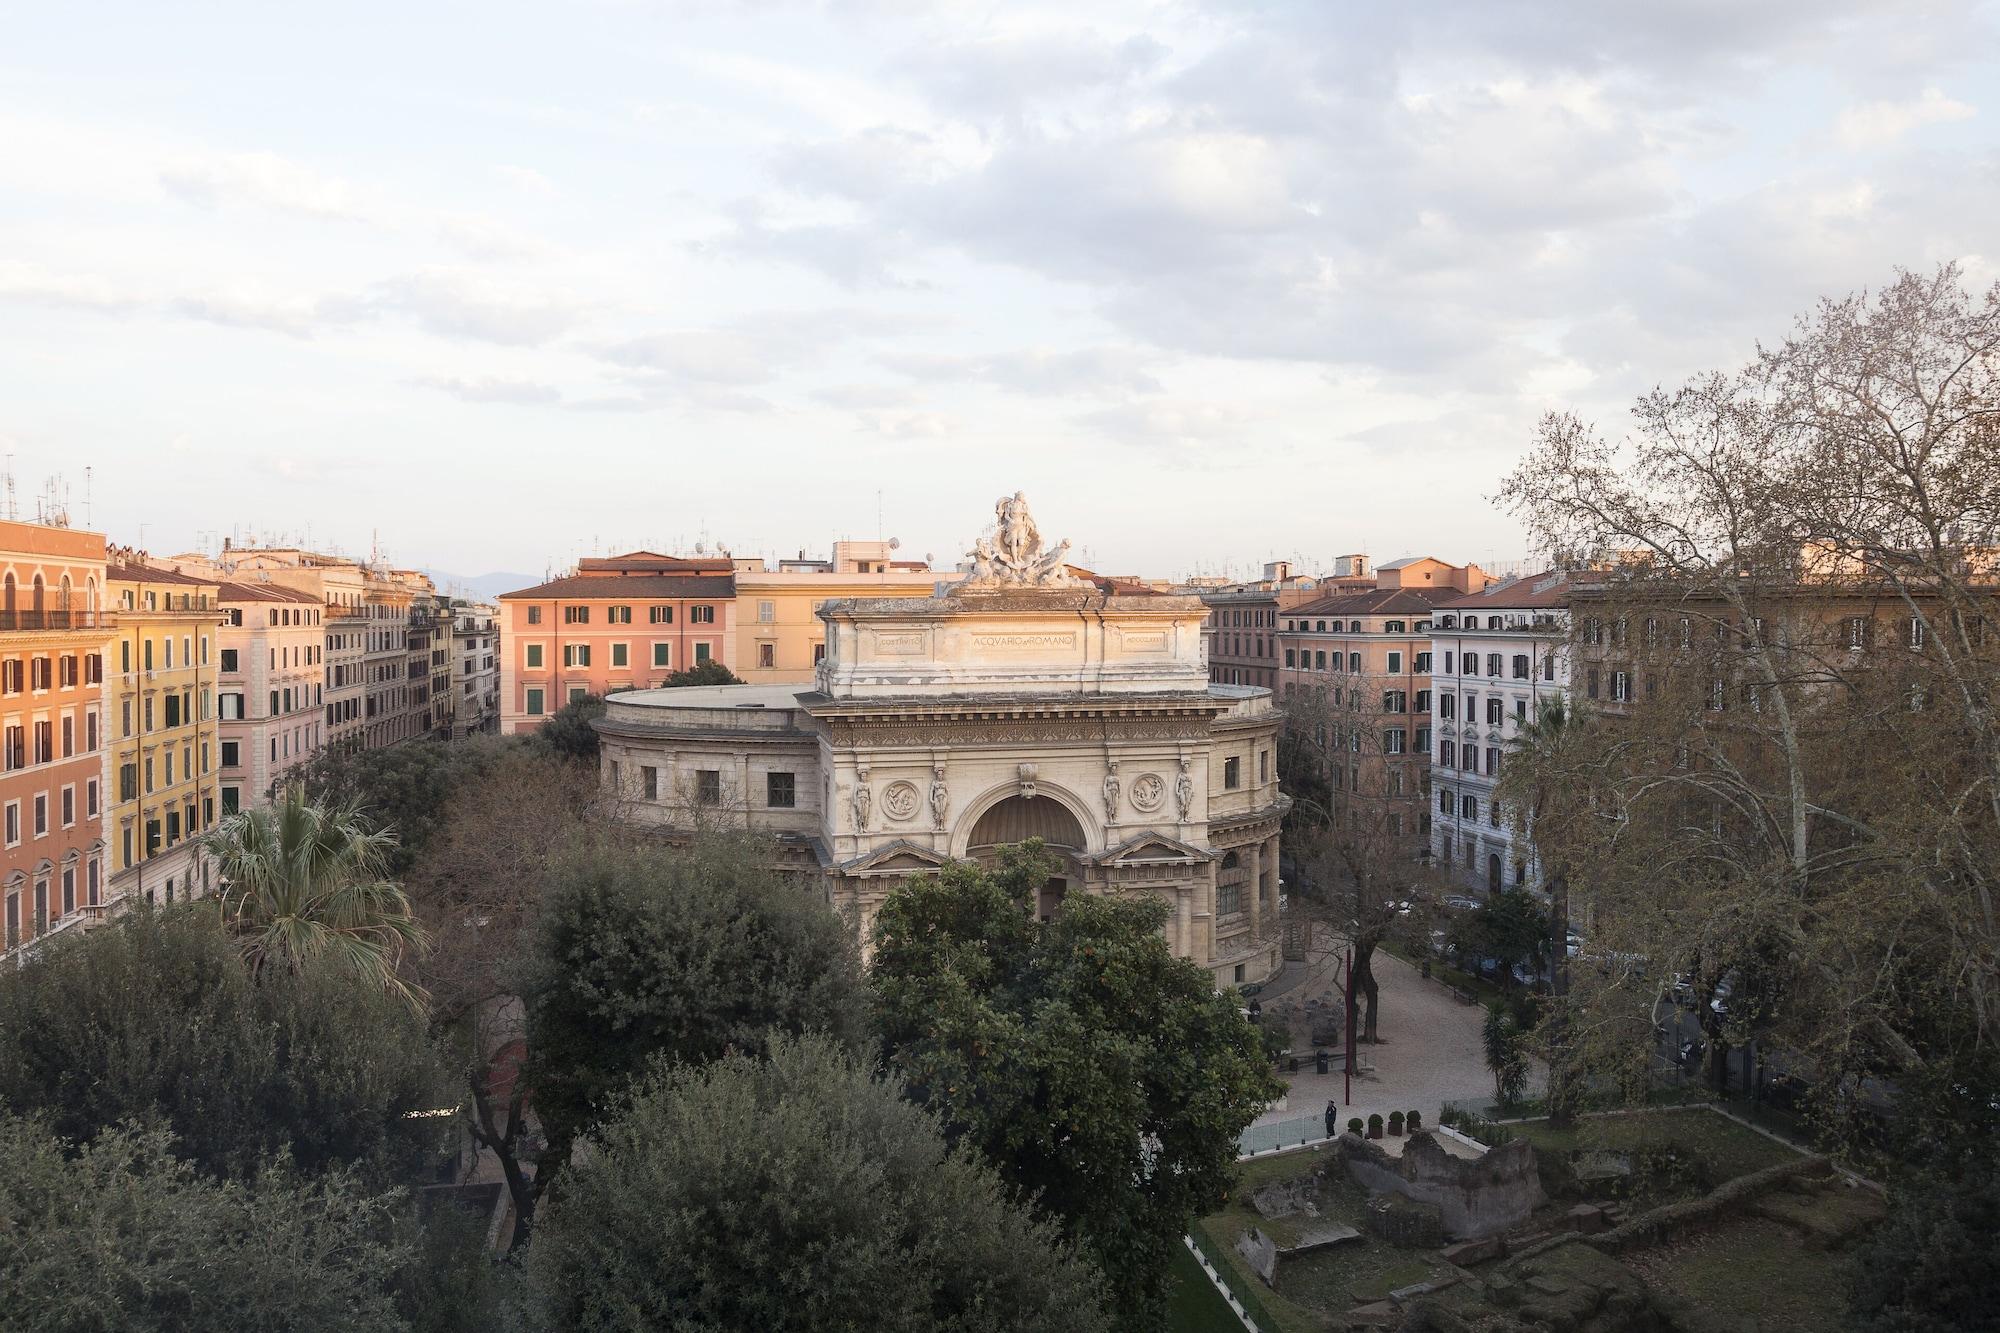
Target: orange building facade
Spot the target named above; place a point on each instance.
(622, 622)
(53, 633)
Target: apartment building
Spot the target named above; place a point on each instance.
(161, 702)
(1241, 633)
(780, 638)
(620, 622)
(1497, 655)
(1355, 679)
(271, 689)
(54, 630)
(475, 668)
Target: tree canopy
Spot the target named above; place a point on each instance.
(1093, 1068)
(646, 952)
(154, 1018)
(120, 1233)
(402, 789)
(797, 1192)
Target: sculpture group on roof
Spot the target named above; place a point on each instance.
(1013, 556)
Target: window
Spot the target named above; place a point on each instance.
(780, 790)
(661, 656)
(1916, 631)
(1391, 627)
(1354, 663)
(1263, 765)
(1447, 706)
(534, 615)
(701, 653)
(13, 822)
(232, 800)
(649, 782)
(1621, 686)
(1393, 740)
(576, 615)
(1492, 761)
(1393, 701)
(1422, 702)
(1590, 683)
(534, 651)
(701, 615)
(767, 654)
(766, 612)
(819, 653)
(617, 615)
(1228, 899)
(1494, 704)
(1422, 665)
(577, 692)
(708, 786)
(1395, 664)
(659, 615)
(1469, 808)
(576, 654)
(1232, 773)
(41, 813)
(534, 703)
(621, 654)
(1291, 655)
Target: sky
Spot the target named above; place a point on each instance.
(495, 285)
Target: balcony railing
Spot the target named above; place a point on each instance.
(46, 620)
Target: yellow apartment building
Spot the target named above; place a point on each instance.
(160, 757)
(779, 636)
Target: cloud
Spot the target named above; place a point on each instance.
(456, 304)
(1877, 124)
(33, 284)
(526, 179)
(263, 178)
(1086, 371)
(492, 389)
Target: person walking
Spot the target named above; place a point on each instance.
(1332, 1117)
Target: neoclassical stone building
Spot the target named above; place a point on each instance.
(1022, 702)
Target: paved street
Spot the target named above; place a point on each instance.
(1430, 1053)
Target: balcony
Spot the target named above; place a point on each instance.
(57, 620)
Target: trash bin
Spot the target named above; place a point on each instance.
(1319, 1059)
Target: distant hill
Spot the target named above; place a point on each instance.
(483, 587)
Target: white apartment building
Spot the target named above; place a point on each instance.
(1496, 655)
(475, 668)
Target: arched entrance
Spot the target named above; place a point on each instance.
(1019, 818)
(1493, 872)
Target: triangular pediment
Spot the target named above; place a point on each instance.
(1152, 848)
(901, 857)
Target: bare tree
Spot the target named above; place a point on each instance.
(477, 889)
(1794, 640)
(1356, 835)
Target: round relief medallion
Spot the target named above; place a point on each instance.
(1149, 791)
(900, 800)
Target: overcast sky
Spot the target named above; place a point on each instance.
(1212, 282)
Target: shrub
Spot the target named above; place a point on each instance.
(1415, 1120)
(1395, 1124)
(1375, 1126)
(1354, 1125)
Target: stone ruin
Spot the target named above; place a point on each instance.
(1480, 1197)
(1292, 1202)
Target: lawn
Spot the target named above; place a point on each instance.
(1720, 1148)
(1195, 1306)
(1326, 1282)
(1753, 1269)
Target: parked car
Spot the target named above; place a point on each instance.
(1526, 974)
(1725, 991)
(1683, 989)
(1400, 906)
(1458, 902)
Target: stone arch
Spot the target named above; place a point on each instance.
(1078, 811)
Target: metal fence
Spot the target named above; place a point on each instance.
(1282, 1134)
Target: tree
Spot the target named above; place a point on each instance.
(1503, 1039)
(304, 882)
(1095, 1070)
(120, 1233)
(402, 789)
(567, 733)
(794, 1192)
(154, 1018)
(1932, 1266)
(478, 890)
(649, 952)
(1354, 830)
(1798, 784)
(703, 673)
(1509, 926)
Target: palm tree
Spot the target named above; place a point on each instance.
(1539, 757)
(304, 881)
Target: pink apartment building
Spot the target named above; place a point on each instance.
(270, 687)
(622, 622)
(53, 631)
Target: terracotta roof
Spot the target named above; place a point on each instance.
(264, 592)
(1112, 584)
(631, 588)
(1375, 602)
(148, 574)
(1529, 592)
(651, 562)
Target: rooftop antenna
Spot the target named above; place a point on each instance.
(86, 495)
(13, 511)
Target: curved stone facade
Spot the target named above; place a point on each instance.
(929, 716)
